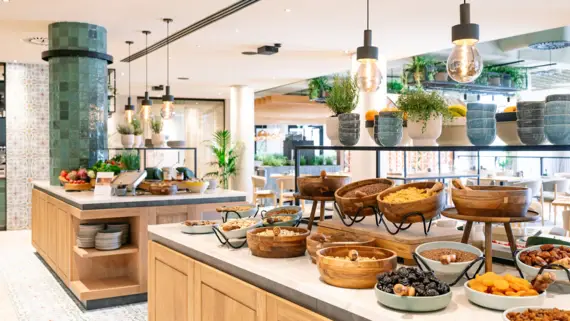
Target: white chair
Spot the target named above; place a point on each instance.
(536, 192)
(259, 192)
(552, 189)
(286, 186)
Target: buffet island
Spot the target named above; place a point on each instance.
(112, 273)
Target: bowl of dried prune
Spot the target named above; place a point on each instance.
(411, 289)
(531, 259)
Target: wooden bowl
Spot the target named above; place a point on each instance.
(170, 189)
(350, 205)
(321, 186)
(496, 201)
(317, 241)
(277, 246)
(354, 274)
(429, 207)
(77, 187)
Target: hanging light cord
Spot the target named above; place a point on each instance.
(368, 14)
(146, 60)
(167, 53)
(129, 72)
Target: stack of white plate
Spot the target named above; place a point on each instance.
(109, 239)
(86, 234)
(123, 227)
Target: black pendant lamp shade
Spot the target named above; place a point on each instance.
(367, 51)
(146, 101)
(129, 106)
(465, 30)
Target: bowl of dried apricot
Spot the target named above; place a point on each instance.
(502, 292)
(531, 259)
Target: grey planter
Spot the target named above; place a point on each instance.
(349, 129)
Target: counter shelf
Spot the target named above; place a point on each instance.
(424, 267)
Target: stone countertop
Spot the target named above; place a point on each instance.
(86, 200)
(298, 280)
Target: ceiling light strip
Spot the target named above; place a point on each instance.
(242, 4)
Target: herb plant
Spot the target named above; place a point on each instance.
(125, 129)
(156, 125)
(130, 161)
(421, 106)
(343, 96)
(138, 130)
(394, 86)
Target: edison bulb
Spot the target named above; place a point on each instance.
(465, 63)
(368, 76)
(145, 112)
(129, 116)
(167, 110)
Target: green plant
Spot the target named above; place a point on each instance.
(227, 154)
(318, 160)
(303, 161)
(138, 130)
(518, 75)
(394, 86)
(422, 106)
(156, 125)
(131, 161)
(343, 96)
(318, 86)
(274, 160)
(329, 160)
(420, 67)
(125, 129)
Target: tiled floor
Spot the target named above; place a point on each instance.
(29, 292)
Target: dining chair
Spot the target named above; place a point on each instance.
(286, 186)
(552, 189)
(260, 193)
(535, 187)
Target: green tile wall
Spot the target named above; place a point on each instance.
(78, 98)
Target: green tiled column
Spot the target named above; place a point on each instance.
(78, 96)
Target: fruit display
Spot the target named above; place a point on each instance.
(510, 109)
(539, 315)
(509, 285)
(75, 177)
(409, 194)
(458, 110)
(411, 281)
(547, 254)
(370, 114)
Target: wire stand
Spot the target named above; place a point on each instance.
(548, 266)
(464, 273)
(225, 214)
(400, 226)
(224, 240)
(349, 220)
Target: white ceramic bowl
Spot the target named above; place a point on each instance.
(530, 272)
(242, 214)
(197, 187)
(241, 233)
(502, 303)
(199, 229)
(522, 309)
(452, 268)
(413, 304)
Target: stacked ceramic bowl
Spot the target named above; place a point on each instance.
(109, 239)
(530, 122)
(86, 234)
(557, 119)
(481, 123)
(349, 129)
(123, 227)
(388, 128)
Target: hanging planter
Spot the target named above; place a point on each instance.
(342, 100)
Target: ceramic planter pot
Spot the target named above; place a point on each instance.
(454, 133)
(406, 140)
(128, 140)
(158, 140)
(212, 183)
(349, 129)
(441, 76)
(138, 141)
(332, 130)
(430, 133)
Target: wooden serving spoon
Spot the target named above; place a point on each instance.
(436, 188)
(457, 184)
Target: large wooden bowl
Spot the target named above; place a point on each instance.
(321, 186)
(277, 246)
(429, 207)
(354, 274)
(317, 241)
(496, 201)
(351, 205)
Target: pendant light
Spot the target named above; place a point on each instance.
(465, 63)
(129, 107)
(167, 110)
(147, 102)
(368, 76)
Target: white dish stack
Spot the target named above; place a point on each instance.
(109, 239)
(86, 234)
(123, 227)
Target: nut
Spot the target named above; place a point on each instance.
(402, 290)
(276, 231)
(353, 255)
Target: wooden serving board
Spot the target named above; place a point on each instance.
(77, 187)
(403, 243)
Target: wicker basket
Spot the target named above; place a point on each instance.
(429, 207)
(351, 205)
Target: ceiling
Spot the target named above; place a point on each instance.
(315, 35)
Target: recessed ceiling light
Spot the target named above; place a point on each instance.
(274, 77)
(196, 103)
(15, 61)
(169, 57)
(219, 94)
(122, 74)
(237, 30)
(197, 46)
(6, 0)
(287, 10)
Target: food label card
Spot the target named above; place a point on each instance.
(103, 183)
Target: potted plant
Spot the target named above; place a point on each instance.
(138, 132)
(394, 87)
(343, 126)
(421, 68)
(319, 87)
(127, 135)
(130, 161)
(226, 154)
(441, 74)
(158, 138)
(425, 112)
(494, 79)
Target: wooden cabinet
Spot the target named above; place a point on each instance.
(181, 289)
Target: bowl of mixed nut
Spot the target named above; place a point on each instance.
(531, 259)
(237, 228)
(198, 226)
(278, 241)
(283, 216)
(237, 211)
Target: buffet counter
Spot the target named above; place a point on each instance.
(101, 278)
(191, 275)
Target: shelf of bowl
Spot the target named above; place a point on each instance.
(107, 278)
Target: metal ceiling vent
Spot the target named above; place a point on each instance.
(38, 41)
(550, 39)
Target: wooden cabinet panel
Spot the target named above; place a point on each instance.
(35, 222)
(217, 306)
(170, 285)
(51, 249)
(63, 243)
(282, 310)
